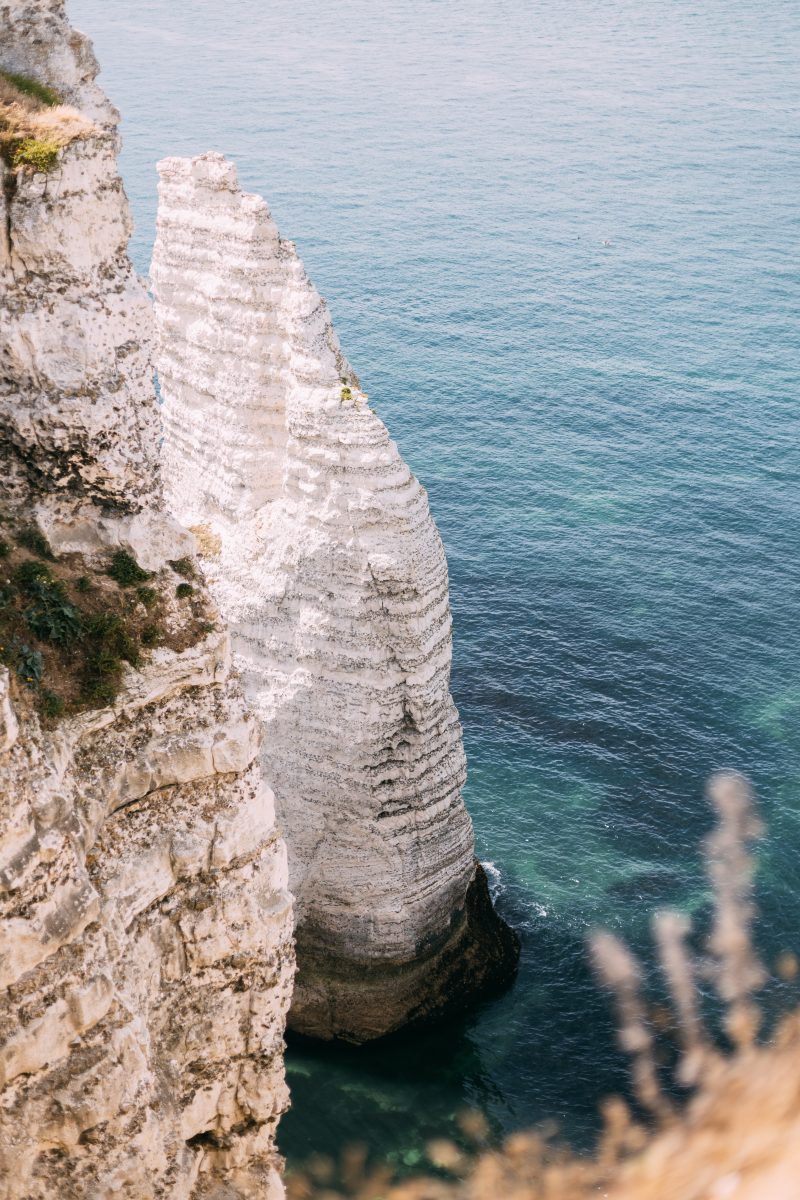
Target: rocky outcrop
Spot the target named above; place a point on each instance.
(146, 952)
(320, 549)
(76, 399)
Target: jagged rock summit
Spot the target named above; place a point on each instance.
(146, 953)
(320, 549)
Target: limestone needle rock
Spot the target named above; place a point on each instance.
(320, 549)
(146, 953)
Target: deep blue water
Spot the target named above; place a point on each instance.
(560, 243)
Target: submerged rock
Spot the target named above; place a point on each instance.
(320, 550)
(146, 937)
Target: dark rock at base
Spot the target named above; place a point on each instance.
(360, 1001)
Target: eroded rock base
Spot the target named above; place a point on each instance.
(359, 1001)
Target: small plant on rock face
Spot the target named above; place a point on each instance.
(347, 394)
(101, 677)
(107, 645)
(151, 636)
(41, 154)
(34, 540)
(125, 570)
(183, 590)
(146, 596)
(109, 629)
(29, 574)
(52, 705)
(52, 618)
(49, 615)
(31, 666)
(184, 567)
(28, 663)
(83, 584)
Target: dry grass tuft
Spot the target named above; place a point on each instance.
(34, 125)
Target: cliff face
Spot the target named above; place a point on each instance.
(321, 552)
(145, 943)
(76, 400)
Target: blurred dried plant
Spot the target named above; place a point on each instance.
(739, 972)
(738, 1136)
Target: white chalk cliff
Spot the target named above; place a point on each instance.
(321, 553)
(146, 953)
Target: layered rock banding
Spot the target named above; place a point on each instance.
(146, 952)
(320, 550)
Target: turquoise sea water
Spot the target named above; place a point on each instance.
(560, 243)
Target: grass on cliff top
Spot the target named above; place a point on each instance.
(34, 124)
(30, 87)
(68, 628)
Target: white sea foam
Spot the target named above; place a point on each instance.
(494, 879)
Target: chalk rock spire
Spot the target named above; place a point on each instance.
(320, 549)
(146, 952)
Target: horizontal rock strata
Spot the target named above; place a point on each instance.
(146, 955)
(321, 552)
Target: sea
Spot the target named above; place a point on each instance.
(560, 245)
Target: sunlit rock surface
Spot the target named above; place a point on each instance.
(146, 952)
(320, 549)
